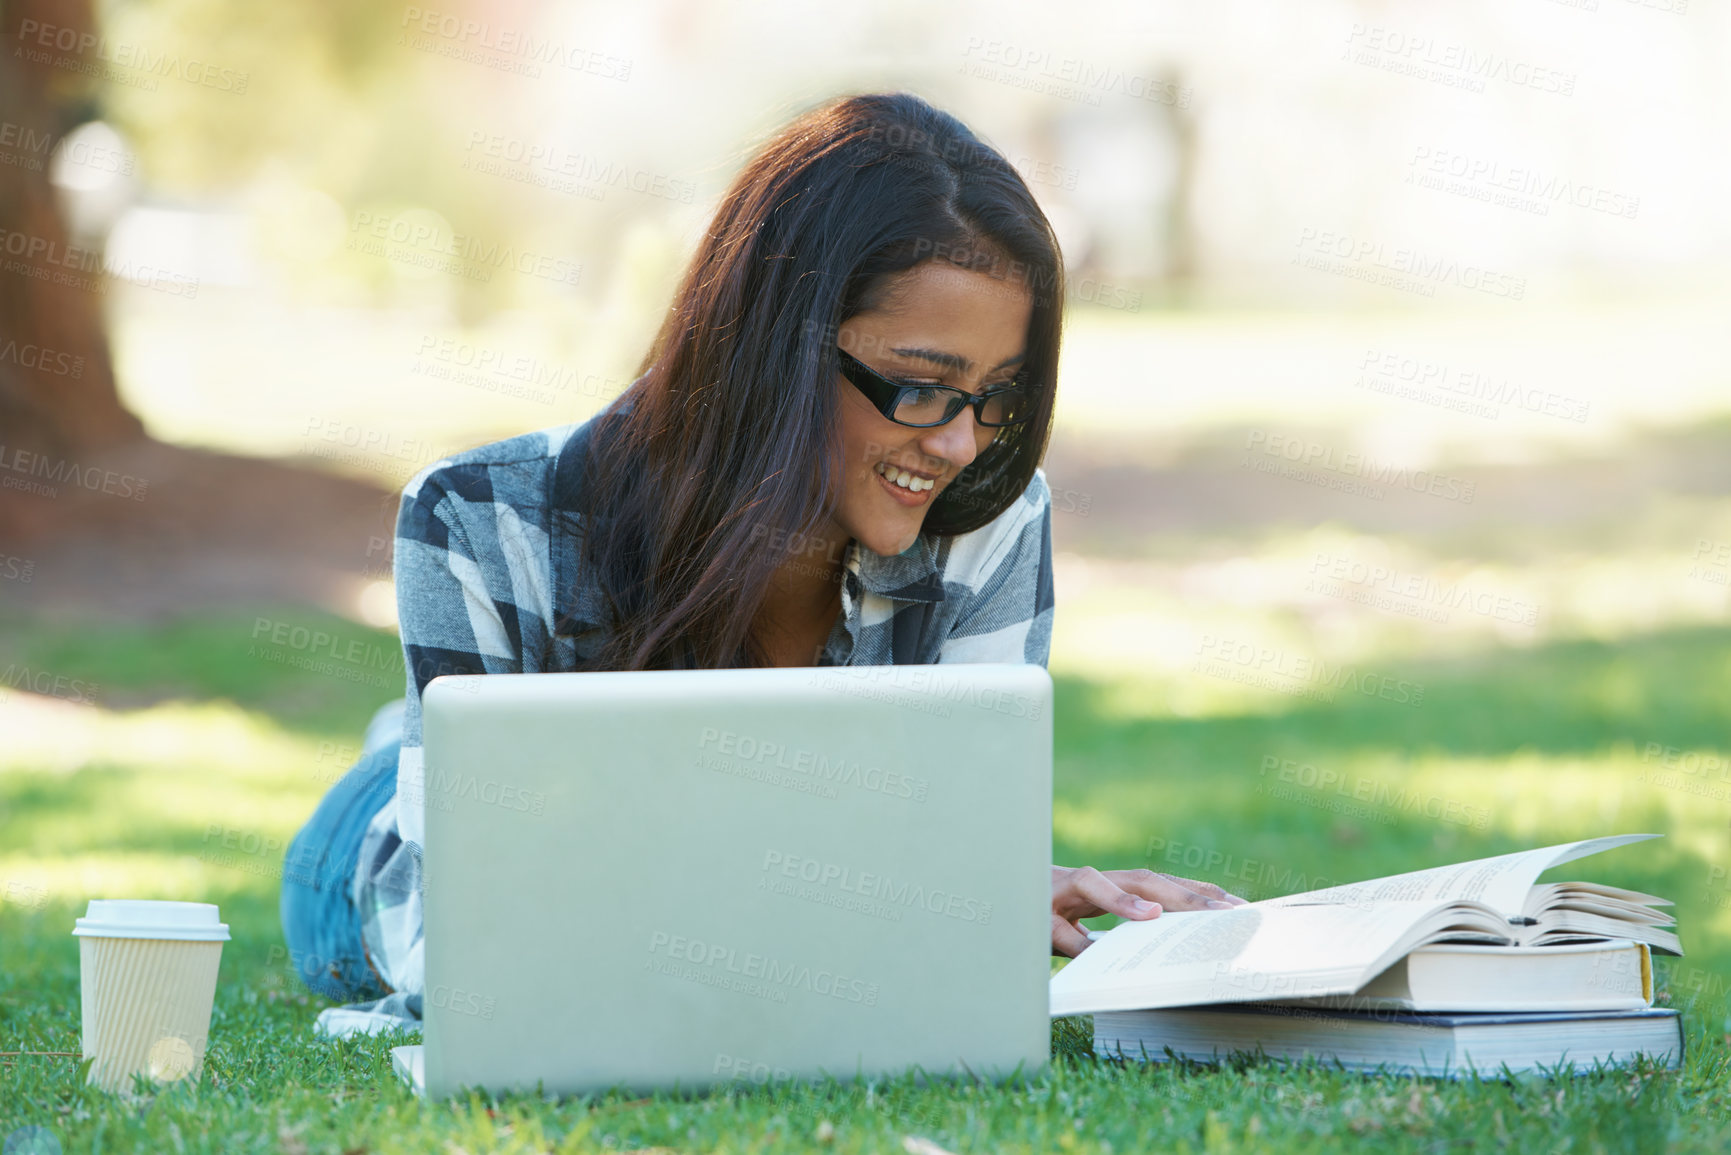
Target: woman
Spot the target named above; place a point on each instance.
(830, 458)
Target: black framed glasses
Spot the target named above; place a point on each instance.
(923, 405)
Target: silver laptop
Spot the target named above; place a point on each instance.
(688, 878)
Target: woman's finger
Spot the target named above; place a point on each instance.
(1170, 892)
(1207, 888)
(1084, 892)
(1067, 938)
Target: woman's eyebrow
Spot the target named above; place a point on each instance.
(952, 360)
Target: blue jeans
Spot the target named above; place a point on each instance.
(319, 919)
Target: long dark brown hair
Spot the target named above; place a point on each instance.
(728, 443)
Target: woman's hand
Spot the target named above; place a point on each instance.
(1083, 892)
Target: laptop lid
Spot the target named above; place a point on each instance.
(685, 878)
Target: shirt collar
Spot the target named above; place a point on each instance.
(914, 575)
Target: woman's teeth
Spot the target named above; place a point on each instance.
(905, 479)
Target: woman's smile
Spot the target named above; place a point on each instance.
(906, 495)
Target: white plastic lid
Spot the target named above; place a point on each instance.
(151, 918)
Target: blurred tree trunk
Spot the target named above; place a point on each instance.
(48, 409)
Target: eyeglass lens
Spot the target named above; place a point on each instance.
(925, 406)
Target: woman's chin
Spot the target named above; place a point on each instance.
(887, 540)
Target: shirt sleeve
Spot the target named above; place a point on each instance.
(452, 621)
(452, 618)
(1009, 617)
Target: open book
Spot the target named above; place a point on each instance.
(1335, 941)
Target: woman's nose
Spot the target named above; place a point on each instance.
(956, 441)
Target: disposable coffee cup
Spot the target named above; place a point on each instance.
(147, 985)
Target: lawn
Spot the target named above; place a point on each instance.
(201, 754)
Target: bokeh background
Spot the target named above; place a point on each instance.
(1392, 476)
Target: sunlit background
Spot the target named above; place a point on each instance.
(1397, 345)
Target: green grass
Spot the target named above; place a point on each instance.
(1529, 746)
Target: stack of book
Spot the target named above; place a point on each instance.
(1469, 969)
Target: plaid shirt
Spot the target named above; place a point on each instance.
(484, 544)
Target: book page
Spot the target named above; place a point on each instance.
(1591, 904)
(1564, 925)
(1501, 882)
(1247, 953)
(1546, 894)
